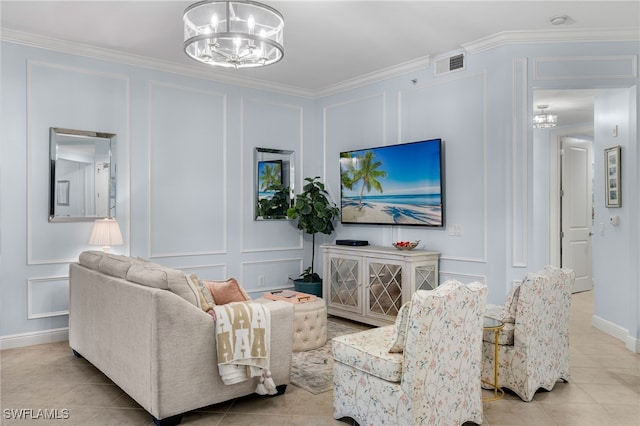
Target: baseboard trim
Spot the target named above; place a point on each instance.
(34, 338)
(633, 344)
(616, 331)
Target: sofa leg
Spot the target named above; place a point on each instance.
(168, 421)
(76, 354)
(281, 389)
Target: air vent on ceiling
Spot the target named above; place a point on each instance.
(452, 63)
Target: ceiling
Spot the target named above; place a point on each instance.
(327, 43)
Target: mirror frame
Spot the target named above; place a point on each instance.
(61, 188)
(285, 189)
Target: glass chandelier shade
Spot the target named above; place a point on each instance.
(233, 34)
(544, 120)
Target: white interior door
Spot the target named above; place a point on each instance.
(577, 210)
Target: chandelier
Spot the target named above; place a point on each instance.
(233, 34)
(544, 120)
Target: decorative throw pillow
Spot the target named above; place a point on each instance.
(400, 329)
(228, 291)
(206, 301)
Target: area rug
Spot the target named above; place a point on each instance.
(313, 370)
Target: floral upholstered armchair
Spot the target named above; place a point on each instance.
(533, 346)
(424, 369)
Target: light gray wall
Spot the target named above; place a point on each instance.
(616, 247)
(498, 168)
(185, 158)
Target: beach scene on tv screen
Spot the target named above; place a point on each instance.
(396, 184)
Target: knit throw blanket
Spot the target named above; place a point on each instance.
(243, 344)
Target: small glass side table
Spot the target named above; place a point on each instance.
(494, 325)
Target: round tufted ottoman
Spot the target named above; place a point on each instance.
(309, 325)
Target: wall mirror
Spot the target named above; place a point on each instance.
(82, 175)
(273, 181)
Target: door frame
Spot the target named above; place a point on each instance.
(555, 225)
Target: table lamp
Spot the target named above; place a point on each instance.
(105, 233)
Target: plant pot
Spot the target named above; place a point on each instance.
(314, 288)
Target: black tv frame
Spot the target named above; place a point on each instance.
(403, 171)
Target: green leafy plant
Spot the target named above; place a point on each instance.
(315, 213)
(275, 206)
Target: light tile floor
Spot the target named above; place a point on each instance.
(604, 390)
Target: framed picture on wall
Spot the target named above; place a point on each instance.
(62, 196)
(613, 187)
(269, 176)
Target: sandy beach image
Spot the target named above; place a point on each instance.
(399, 214)
(394, 184)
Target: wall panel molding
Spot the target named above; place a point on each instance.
(201, 270)
(247, 175)
(187, 165)
(519, 165)
(481, 256)
(462, 277)
(66, 235)
(585, 67)
(36, 285)
(381, 97)
(464, 259)
(275, 274)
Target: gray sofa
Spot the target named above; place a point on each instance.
(142, 326)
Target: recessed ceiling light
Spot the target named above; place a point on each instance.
(559, 19)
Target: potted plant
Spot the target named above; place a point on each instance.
(314, 213)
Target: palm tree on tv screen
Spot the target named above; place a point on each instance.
(368, 173)
(347, 169)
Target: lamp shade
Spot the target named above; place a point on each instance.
(105, 233)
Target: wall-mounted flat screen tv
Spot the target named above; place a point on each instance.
(393, 185)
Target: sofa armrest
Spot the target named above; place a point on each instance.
(282, 319)
(109, 325)
(184, 360)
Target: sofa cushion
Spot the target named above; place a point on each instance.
(91, 259)
(400, 329)
(180, 284)
(148, 274)
(115, 265)
(153, 275)
(367, 351)
(227, 291)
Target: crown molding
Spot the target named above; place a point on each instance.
(551, 36)
(487, 43)
(74, 48)
(376, 76)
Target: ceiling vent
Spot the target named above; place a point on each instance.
(452, 63)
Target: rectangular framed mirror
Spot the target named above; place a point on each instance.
(82, 175)
(273, 182)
